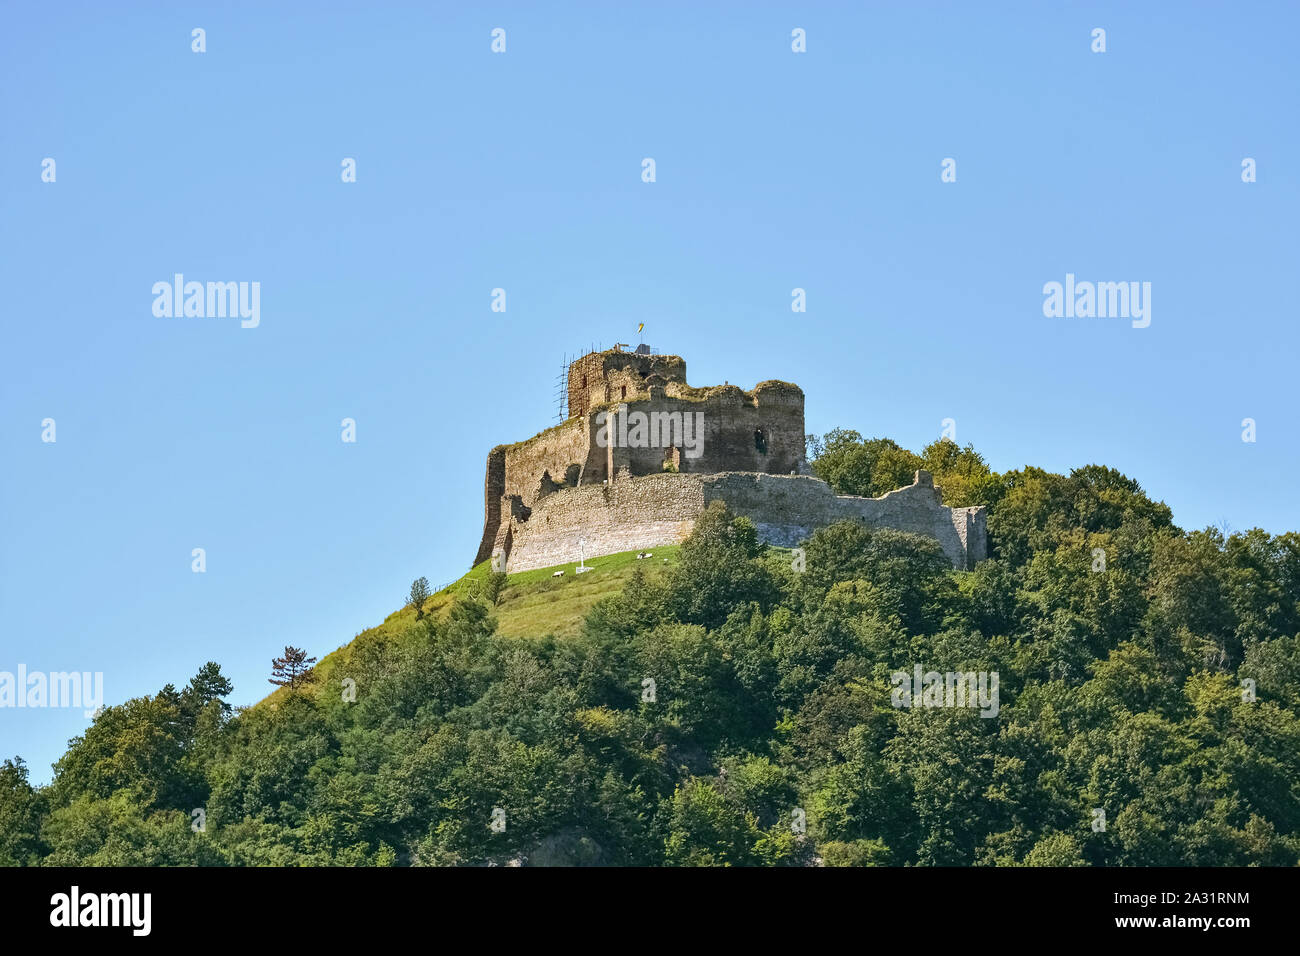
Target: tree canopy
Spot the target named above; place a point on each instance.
(741, 709)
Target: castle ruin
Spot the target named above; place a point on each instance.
(642, 454)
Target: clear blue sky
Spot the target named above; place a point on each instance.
(522, 170)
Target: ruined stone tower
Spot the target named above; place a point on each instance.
(642, 453)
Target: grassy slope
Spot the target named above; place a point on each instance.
(532, 604)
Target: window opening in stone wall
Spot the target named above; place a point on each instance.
(624, 395)
(760, 441)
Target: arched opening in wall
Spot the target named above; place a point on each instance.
(584, 381)
(624, 395)
(760, 441)
(673, 459)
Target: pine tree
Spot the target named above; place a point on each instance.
(293, 670)
(207, 685)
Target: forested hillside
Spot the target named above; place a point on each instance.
(734, 706)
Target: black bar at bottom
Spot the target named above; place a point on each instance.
(944, 906)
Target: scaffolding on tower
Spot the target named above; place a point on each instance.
(562, 391)
(562, 381)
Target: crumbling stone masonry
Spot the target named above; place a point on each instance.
(584, 481)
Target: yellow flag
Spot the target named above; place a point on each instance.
(640, 327)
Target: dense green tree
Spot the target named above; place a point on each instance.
(719, 569)
(704, 828)
(21, 811)
(418, 596)
(868, 468)
(135, 748)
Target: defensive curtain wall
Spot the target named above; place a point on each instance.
(643, 513)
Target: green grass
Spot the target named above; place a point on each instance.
(535, 604)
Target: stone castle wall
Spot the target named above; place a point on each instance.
(759, 430)
(633, 513)
(600, 378)
(565, 485)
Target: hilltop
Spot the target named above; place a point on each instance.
(1104, 689)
